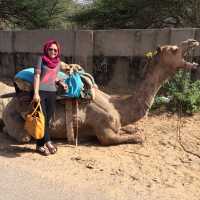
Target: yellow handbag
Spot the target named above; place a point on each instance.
(35, 122)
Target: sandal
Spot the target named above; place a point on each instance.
(51, 147)
(43, 150)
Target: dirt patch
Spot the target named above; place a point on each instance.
(158, 169)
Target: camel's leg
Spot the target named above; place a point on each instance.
(109, 137)
(15, 128)
(130, 129)
(107, 125)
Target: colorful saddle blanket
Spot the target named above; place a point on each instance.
(24, 80)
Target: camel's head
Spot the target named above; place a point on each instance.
(173, 56)
(188, 45)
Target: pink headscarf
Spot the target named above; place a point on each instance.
(50, 62)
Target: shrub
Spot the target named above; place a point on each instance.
(180, 91)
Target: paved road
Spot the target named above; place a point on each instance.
(20, 184)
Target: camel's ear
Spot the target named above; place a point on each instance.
(174, 49)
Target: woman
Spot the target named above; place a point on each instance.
(45, 91)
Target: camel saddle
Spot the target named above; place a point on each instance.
(71, 116)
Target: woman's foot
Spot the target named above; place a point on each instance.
(43, 150)
(51, 147)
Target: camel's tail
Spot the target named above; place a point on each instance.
(8, 95)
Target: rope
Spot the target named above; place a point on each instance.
(179, 133)
(75, 120)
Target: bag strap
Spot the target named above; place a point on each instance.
(36, 107)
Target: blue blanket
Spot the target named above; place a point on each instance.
(74, 82)
(26, 75)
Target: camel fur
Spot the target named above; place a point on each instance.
(109, 118)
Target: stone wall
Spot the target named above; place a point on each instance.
(112, 56)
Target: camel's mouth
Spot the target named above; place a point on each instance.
(188, 45)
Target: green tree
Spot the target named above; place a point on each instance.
(102, 14)
(34, 14)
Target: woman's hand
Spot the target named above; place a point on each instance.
(36, 97)
(64, 86)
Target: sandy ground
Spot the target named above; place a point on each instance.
(158, 169)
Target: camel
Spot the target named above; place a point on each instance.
(110, 118)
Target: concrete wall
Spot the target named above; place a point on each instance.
(110, 55)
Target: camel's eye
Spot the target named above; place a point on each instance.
(158, 49)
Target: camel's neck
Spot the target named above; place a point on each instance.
(136, 106)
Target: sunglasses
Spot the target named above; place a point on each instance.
(52, 49)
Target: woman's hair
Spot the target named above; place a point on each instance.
(48, 44)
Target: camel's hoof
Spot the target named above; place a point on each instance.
(139, 137)
(130, 129)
